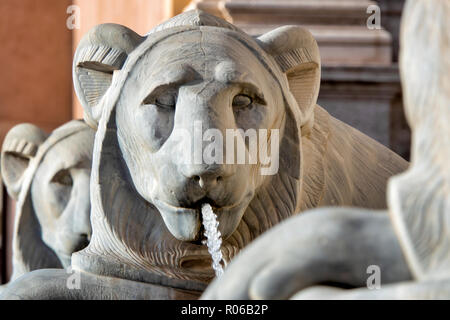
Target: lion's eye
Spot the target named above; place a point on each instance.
(242, 101)
(63, 177)
(166, 101)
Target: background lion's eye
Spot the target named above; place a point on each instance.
(242, 101)
(63, 177)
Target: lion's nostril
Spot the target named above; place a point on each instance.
(86, 236)
(201, 182)
(83, 242)
(207, 181)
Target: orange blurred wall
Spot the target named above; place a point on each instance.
(35, 77)
(37, 51)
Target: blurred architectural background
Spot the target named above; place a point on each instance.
(360, 80)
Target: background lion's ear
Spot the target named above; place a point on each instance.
(296, 52)
(102, 50)
(19, 147)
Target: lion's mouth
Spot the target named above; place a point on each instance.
(185, 223)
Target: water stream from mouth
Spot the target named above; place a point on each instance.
(213, 237)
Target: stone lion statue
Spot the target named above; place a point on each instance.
(338, 253)
(139, 91)
(48, 177)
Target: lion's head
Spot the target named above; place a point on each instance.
(141, 92)
(48, 176)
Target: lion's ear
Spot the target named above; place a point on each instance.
(19, 147)
(102, 50)
(296, 52)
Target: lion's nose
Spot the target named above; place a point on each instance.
(207, 181)
(208, 176)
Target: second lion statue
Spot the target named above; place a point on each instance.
(146, 194)
(48, 177)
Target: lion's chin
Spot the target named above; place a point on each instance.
(185, 223)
